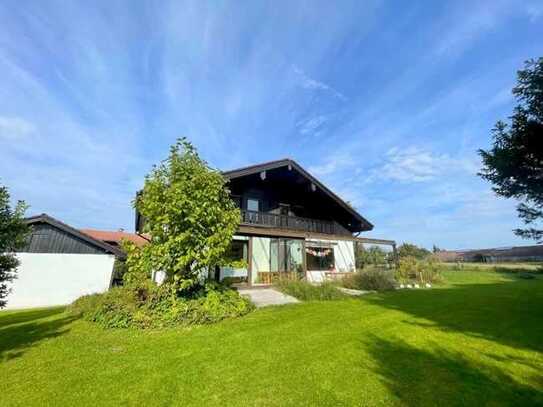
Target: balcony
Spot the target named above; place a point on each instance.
(273, 220)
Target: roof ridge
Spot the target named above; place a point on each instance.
(287, 159)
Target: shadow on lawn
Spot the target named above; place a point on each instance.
(510, 313)
(22, 330)
(438, 377)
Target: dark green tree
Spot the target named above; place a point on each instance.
(514, 163)
(13, 234)
(373, 255)
(411, 250)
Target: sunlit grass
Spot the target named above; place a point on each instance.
(477, 340)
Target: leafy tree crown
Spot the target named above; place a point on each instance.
(411, 250)
(188, 214)
(514, 163)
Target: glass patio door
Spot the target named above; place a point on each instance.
(286, 259)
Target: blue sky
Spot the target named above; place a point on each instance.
(387, 105)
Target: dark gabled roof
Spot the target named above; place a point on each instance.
(285, 162)
(44, 218)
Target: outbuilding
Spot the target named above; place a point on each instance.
(60, 264)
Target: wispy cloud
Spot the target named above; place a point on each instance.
(333, 163)
(465, 28)
(306, 82)
(312, 126)
(414, 164)
(15, 128)
(386, 103)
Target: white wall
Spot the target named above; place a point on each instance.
(344, 256)
(46, 279)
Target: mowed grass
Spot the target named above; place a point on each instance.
(477, 340)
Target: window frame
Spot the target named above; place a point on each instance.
(320, 259)
(254, 200)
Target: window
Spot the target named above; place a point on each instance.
(284, 209)
(320, 258)
(237, 253)
(238, 250)
(286, 255)
(253, 205)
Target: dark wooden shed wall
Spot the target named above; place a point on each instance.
(46, 238)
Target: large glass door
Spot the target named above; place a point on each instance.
(286, 260)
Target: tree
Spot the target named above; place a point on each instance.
(13, 234)
(189, 216)
(374, 255)
(411, 250)
(514, 163)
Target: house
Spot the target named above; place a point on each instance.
(59, 264)
(292, 226)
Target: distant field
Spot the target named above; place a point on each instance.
(527, 266)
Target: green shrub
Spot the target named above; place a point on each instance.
(420, 271)
(152, 306)
(305, 291)
(371, 278)
(85, 304)
(373, 255)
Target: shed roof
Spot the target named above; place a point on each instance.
(44, 218)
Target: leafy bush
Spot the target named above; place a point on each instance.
(422, 271)
(119, 270)
(305, 291)
(152, 306)
(371, 278)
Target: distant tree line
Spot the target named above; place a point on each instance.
(375, 255)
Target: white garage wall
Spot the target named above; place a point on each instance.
(46, 279)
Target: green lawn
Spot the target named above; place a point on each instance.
(476, 341)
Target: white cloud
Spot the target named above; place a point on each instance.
(312, 125)
(464, 27)
(13, 128)
(334, 163)
(534, 10)
(306, 82)
(414, 164)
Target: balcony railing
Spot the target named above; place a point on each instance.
(287, 222)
